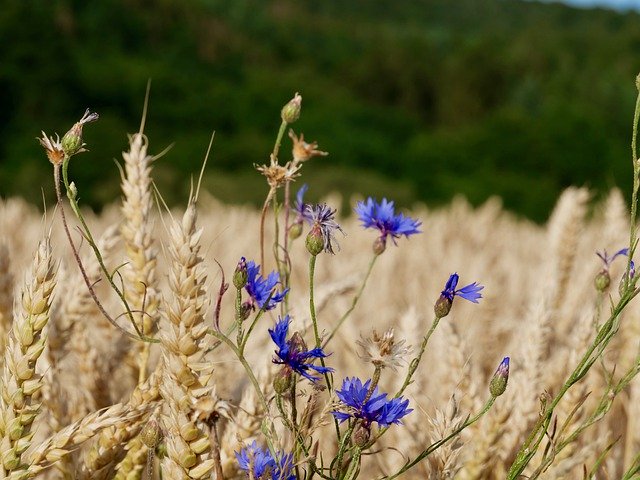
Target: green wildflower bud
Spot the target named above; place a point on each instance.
(151, 433)
(291, 111)
(72, 140)
(73, 191)
(380, 245)
(314, 241)
(602, 281)
(442, 306)
(361, 435)
(499, 381)
(283, 380)
(295, 230)
(240, 276)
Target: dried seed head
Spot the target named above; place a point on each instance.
(383, 350)
(303, 151)
(53, 148)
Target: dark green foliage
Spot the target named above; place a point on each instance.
(479, 97)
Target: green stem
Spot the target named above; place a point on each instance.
(439, 443)
(636, 184)
(416, 361)
(276, 147)
(354, 301)
(354, 465)
(337, 461)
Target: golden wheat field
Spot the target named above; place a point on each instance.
(81, 400)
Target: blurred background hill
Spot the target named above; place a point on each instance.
(417, 100)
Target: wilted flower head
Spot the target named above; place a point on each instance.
(259, 464)
(499, 381)
(303, 151)
(277, 175)
(377, 408)
(383, 350)
(382, 217)
(261, 290)
(293, 352)
(53, 148)
(469, 292)
(323, 226)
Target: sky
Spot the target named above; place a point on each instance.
(614, 4)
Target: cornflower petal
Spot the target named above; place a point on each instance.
(261, 290)
(295, 355)
(382, 216)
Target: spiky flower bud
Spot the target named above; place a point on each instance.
(291, 111)
(72, 140)
(499, 381)
(442, 306)
(362, 435)
(295, 230)
(283, 380)
(315, 241)
(602, 280)
(240, 276)
(151, 433)
(380, 245)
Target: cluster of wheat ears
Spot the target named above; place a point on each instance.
(169, 393)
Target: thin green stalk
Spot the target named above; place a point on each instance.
(633, 470)
(220, 336)
(433, 447)
(337, 461)
(606, 332)
(354, 301)
(87, 234)
(416, 361)
(354, 465)
(636, 183)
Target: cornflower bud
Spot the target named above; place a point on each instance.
(314, 241)
(379, 245)
(291, 111)
(283, 380)
(295, 230)
(241, 275)
(499, 381)
(362, 435)
(72, 140)
(151, 434)
(602, 280)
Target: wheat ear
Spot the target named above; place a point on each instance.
(188, 377)
(20, 383)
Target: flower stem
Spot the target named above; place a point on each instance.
(416, 361)
(354, 302)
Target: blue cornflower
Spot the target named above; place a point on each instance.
(260, 464)
(376, 409)
(262, 289)
(323, 226)
(470, 292)
(603, 278)
(300, 207)
(293, 352)
(382, 216)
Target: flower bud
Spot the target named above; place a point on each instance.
(361, 435)
(314, 241)
(72, 140)
(499, 381)
(240, 276)
(295, 230)
(291, 111)
(283, 380)
(73, 191)
(442, 307)
(602, 281)
(380, 245)
(151, 433)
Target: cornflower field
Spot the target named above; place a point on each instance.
(299, 341)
